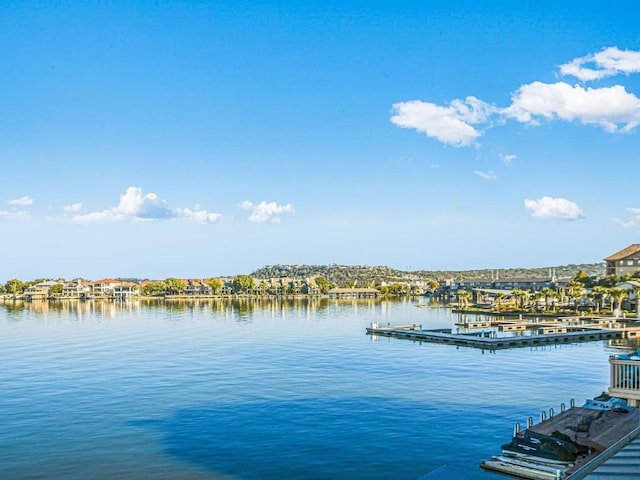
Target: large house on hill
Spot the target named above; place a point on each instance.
(625, 261)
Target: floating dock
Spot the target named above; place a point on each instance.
(488, 340)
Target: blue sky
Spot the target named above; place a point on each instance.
(197, 139)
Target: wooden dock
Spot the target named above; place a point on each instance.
(606, 433)
(487, 340)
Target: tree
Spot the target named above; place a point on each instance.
(14, 286)
(263, 286)
(521, 296)
(56, 289)
(214, 284)
(576, 291)
(323, 284)
(175, 285)
(537, 296)
(156, 287)
(499, 296)
(549, 293)
(463, 297)
(618, 294)
(433, 285)
(583, 278)
(599, 295)
(242, 283)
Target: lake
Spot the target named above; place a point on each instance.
(260, 389)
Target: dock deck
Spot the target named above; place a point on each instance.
(486, 340)
(613, 438)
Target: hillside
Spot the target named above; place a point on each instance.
(365, 274)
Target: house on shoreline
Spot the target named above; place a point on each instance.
(626, 261)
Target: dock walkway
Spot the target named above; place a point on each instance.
(485, 340)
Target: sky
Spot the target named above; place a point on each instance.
(157, 139)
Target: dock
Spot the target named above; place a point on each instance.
(487, 340)
(612, 437)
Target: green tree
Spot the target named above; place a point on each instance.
(599, 295)
(175, 285)
(56, 289)
(549, 294)
(156, 287)
(242, 283)
(576, 291)
(384, 290)
(618, 294)
(215, 284)
(583, 278)
(499, 297)
(433, 285)
(463, 298)
(323, 284)
(521, 296)
(14, 286)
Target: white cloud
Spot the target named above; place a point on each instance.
(507, 158)
(486, 175)
(612, 108)
(607, 107)
(135, 205)
(74, 207)
(16, 215)
(199, 215)
(608, 62)
(148, 206)
(632, 221)
(548, 207)
(450, 124)
(266, 212)
(22, 201)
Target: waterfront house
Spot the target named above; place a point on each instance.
(310, 287)
(531, 284)
(470, 284)
(75, 289)
(197, 287)
(104, 287)
(125, 290)
(625, 261)
(39, 291)
(353, 293)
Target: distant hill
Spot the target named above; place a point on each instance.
(365, 274)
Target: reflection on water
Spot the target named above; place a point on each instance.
(249, 388)
(238, 306)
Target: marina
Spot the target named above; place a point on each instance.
(500, 334)
(599, 440)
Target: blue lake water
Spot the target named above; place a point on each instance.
(263, 390)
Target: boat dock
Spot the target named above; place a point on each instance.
(598, 441)
(612, 437)
(488, 340)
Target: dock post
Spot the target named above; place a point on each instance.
(551, 412)
(529, 422)
(562, 407)
(543, 416)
